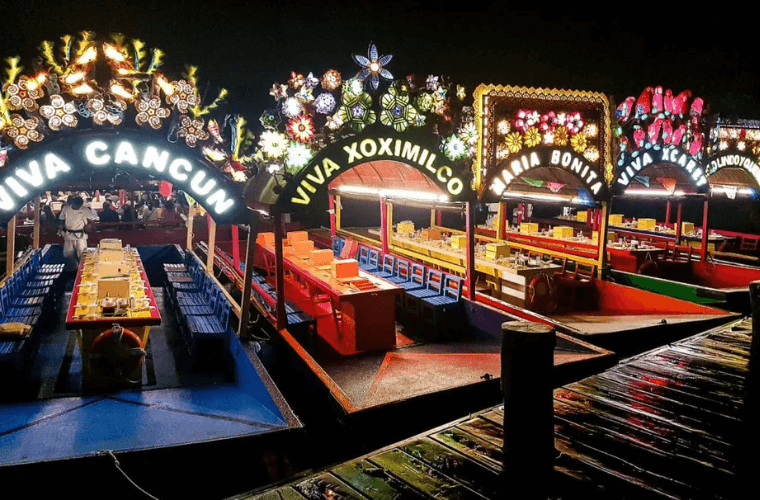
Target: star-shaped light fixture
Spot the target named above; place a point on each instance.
(373, 66)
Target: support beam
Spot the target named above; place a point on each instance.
(211, 245)
(602, 231)
(705, 232)
(519, 214)
(383, 225)
(432, 218)
(667, 213)
(279, 278)
(236, 246)
(470, 225)
(388, 224)
(503, 221)
(10, 254)
(333, 227)
(190, 216)
(438, 217)
(338, 208)
(245, 304)
(36, 230)
(678, 223)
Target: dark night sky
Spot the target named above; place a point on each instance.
(246, 46)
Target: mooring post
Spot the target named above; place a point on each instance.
(748, 439)
(527, 367)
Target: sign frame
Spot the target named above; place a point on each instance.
(640, 160)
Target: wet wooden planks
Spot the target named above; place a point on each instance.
(660, 425)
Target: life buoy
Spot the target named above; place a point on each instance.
(117, 352)
(649, 268)
(542, 294)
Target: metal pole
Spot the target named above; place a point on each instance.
(705, 231)
(211, 245)
(667, 213)
(236, 247)
(190, 215)
(279, 277)
(36, 234)
(470, 227)
(383, 225)
(245, 303)
(10, 254)
(527, 366)
(333, 227)
(678, 223)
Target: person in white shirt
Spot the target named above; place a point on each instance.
(75, 218)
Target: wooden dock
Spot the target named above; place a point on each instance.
(660, 425)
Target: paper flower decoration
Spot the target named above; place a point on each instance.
(513, 142)
(296, 80)
(532, 137)
(297, 156)
(278, 91)
(425, 102)
(325, 103)
(331, 80)
(591, 154)
(431, 82)
(23, 94)
(356, 111)
(292, 107)
(503, 127)
(334, 122)
(454, 148)
(183, 97)
(151, 112)
(560, 136)
(305, 95)
(353, 87)
(461, 94)
(23, 131)
(106, 112)
(273, 144)
(397, 112)
(268, 120)
(469, 133)
(301, 128)
(311, 81)
(59, 113)
(192, 130)
(419, 121)
(579, 143)
(373, 67)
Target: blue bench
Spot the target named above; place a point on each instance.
(412, 298)
(388, 267)
(337, 245)
(436, 308)
(371, 262)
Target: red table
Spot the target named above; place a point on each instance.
(353, 319)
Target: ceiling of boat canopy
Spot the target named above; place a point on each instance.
(660, 175)
(732, 176)
(386, 174)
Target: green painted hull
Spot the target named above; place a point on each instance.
(675, 289)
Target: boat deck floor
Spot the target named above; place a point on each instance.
(660, 425)
(600, 323)
(419, 368)
(47, 416)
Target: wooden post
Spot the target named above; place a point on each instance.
(333, 227)
(503, 221)
(602, 243)
(36, 233)
(337, 212)
(432, 218)
(678, 223)
(190, 215)
(439, 218)
(527, 364)
(236, 247)
(245, 303)
(383, 225)
(667, 213)
(10, 254)
(279, 277)
(211, 245)
(470, 227)
(705, 231)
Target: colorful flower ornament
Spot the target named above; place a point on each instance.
(23, 131)
(151, 112)
(311, 81)
(183, 97)
(325, 103)
(356, 111)
(469, 133)
(292, 107)
(20, 95)
(59, 113)
(591, 154)
(397, 112)
(373, 67)
(301, 128)
(514, 142)
(431, 82)
(296, 80)
(532, 137)
(268, 120)
(579, 143)
(297, 156)
(192, 130)
(334, 122)
(461, 94)
(353, 86)
(273, 144)
(278, 91)
(305, 95)
(331, 80)
(425, 102)
(106, 112)
(560, 136)
(454, 148)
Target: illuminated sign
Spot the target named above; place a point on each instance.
(735, 160)
(548, 157)
(669, 154)
(44, 168)
(333, 161)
